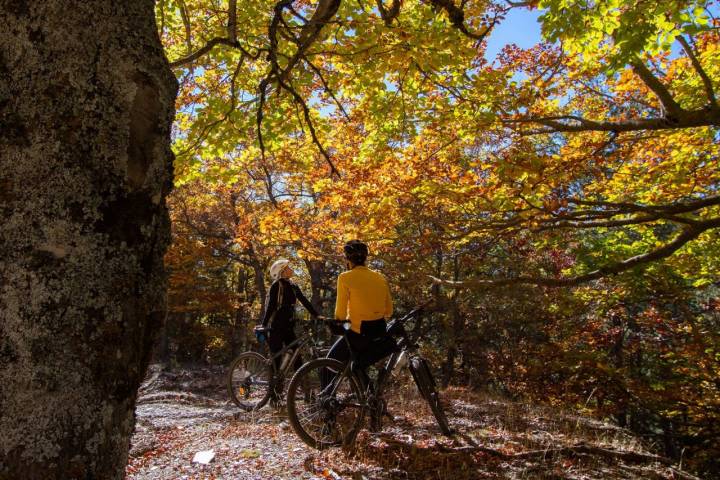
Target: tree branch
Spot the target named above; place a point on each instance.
(388, 15)
(232, 19)
(326, 86)
(689, 233)
(233, 105)
(206, 48)
(571, 123)
(672, 208)
(707, 83)
(186, 23)
(673, 115)
(653, 83)
(457, 18)
(324, 12)
(308, 120)
(230, 41)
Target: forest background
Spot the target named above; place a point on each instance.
(559, 201)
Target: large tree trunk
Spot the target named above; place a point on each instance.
(316, 269)
(86, 104)
(259, 278)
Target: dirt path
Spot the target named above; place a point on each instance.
(180, 414)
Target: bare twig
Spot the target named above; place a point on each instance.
(308, 120)
(326, 87)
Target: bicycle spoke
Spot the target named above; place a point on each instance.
(324, 416)
(249, 380)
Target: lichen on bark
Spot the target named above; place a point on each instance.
(86, 104)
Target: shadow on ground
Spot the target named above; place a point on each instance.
(183, 412)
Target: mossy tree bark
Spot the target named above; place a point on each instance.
(86, 105)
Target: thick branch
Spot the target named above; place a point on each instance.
(672, 208)
(653, 83)
(571, 123)
(689, 233)
(325, 11)
(457, 18)
(603, 214)
(206, 48)
(388, 15)
(232, 19)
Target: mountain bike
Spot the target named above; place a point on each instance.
(327, 400)
(253, 378)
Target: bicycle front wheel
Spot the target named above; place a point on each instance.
(426, 384)
(325, 404)
(248, 381)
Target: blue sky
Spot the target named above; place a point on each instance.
(520, 27)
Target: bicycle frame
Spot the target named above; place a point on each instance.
(335, 383)
(297, 345)
(405, 346)
(319, 411)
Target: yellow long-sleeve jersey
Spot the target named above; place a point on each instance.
(362, 294)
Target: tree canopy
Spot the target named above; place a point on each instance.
(401, 106)
(590, 160)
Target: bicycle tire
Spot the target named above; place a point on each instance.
(425, 382)
(439, 414)
(307, 403)
(249, 395)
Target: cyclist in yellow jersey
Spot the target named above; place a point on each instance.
(363, 298)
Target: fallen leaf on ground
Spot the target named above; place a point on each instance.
(249, 453)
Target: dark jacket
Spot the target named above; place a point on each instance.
(281, 302)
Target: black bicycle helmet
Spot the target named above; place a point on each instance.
(356, 251)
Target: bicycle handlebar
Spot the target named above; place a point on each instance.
(335, 324)
(415, 311)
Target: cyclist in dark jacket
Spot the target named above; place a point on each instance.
(280, 309)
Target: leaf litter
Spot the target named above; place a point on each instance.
(186, 413)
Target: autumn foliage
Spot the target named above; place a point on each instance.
(560, 203)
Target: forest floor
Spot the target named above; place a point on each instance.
(182, 412)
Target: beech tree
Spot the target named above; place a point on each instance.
(86, 105)
(558, 165)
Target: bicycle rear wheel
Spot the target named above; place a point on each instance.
(428, 389)
(249, 380)
(325, 405)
